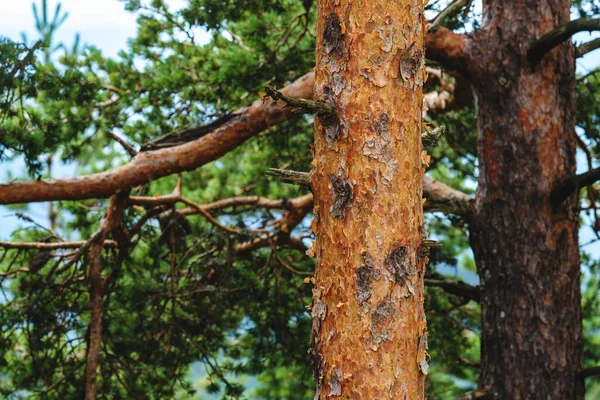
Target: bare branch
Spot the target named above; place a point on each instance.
(440, 197)
(319, 108)
(454, 287)
(589, 372)
(449, 49)
(128, 148)
(448, 12)
(573, 184)
(550, 40)
(289, 176)
(145, 167)
(588, 47)
(173, 157)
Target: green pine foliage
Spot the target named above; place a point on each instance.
(181, 295)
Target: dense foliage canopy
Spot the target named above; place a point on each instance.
(184, 292)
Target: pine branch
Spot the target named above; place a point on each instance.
(589, 372)
(573, 184)
(550, 40)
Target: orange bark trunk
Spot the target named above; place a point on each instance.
(369, 330)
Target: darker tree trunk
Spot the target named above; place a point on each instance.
(527, 253)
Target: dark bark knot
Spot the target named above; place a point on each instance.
(342, 192)
(381, 126)
(331, 124)
(410, 63)
(380, 321)
(399, 265)
(333, 38)
(364, 274)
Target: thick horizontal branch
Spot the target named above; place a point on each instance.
(573, 184)
(454, 287)
(588, 47)
(550, 40)
(440, 197)
(449, 49)
(147, 166)
(442, 45)
(589, 372)
(443, 198)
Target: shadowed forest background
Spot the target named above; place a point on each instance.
(206, 282)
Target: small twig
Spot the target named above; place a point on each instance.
(448, 12)
(128, 148)
(289, 176)
(588, 47)
(433, 137)
(319, 108)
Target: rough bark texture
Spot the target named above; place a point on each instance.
(369, 331)
(527, 252)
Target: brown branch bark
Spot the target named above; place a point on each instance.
(573, 184)
(588, 47)
(298, 209)
(443, 46)
(449, 49)
(589, 372)
(454, 287)
(550, 40)
(439, 196)
(453, 9)
(112, 221)
(147, 166)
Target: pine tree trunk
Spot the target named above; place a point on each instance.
(527, 252)
(369, 330)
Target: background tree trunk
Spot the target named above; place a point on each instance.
(369, 329)
(527, 252)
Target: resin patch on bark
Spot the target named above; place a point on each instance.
(342, 192)
(398, 265)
